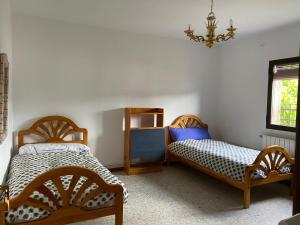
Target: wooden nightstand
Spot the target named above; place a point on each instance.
(145, 143)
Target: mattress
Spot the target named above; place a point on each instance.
(24, 168)
(221, 157)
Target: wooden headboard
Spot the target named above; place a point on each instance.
(185, 121)
(54, 129)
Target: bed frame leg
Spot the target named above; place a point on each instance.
(246, 198)
(119, 218)
(2, 218)
(3, 210)
(119, 209)
(4, 203)
(168, 160)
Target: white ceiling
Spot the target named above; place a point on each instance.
(165, 17)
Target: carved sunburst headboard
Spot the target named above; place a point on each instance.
(54, 129)
(187, 121)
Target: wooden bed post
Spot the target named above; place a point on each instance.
(168, 158)
(2, 215)
(247, 188)
(168, 141)
(119, 217)
(247, 197)
(119, 208)
(4, 204)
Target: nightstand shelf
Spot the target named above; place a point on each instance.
(145, 128)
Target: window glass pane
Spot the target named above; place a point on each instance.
(284, 94)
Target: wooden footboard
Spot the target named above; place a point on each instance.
(271, 160)
(70, 208)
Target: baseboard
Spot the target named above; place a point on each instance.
(114, 168)
(119, 167)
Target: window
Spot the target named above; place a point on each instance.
(282, 94)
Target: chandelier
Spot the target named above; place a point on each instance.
(211, 26)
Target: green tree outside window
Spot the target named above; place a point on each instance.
(289, 102)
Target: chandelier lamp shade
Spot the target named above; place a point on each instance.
(211, 25)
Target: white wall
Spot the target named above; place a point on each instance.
(90, 75)
(6, 47)
(243, 83)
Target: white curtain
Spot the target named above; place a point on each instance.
(276, 100)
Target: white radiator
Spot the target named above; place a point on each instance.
(288, 144)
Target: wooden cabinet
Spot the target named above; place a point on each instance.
(145, 141)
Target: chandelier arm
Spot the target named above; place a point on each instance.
(229, 35)
(224, 37)
(220, 37)
(200, 38)
(197, 38)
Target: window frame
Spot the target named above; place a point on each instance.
(272, 63)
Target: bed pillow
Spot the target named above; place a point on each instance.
(53, 147)
(196, 133)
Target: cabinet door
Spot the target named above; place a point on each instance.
(147, 145)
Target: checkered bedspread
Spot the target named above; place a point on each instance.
(24, 168)
(221, 157)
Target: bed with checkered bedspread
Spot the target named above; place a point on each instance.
(221, 157)
(25, 168)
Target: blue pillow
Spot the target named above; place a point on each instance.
(196, 133)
